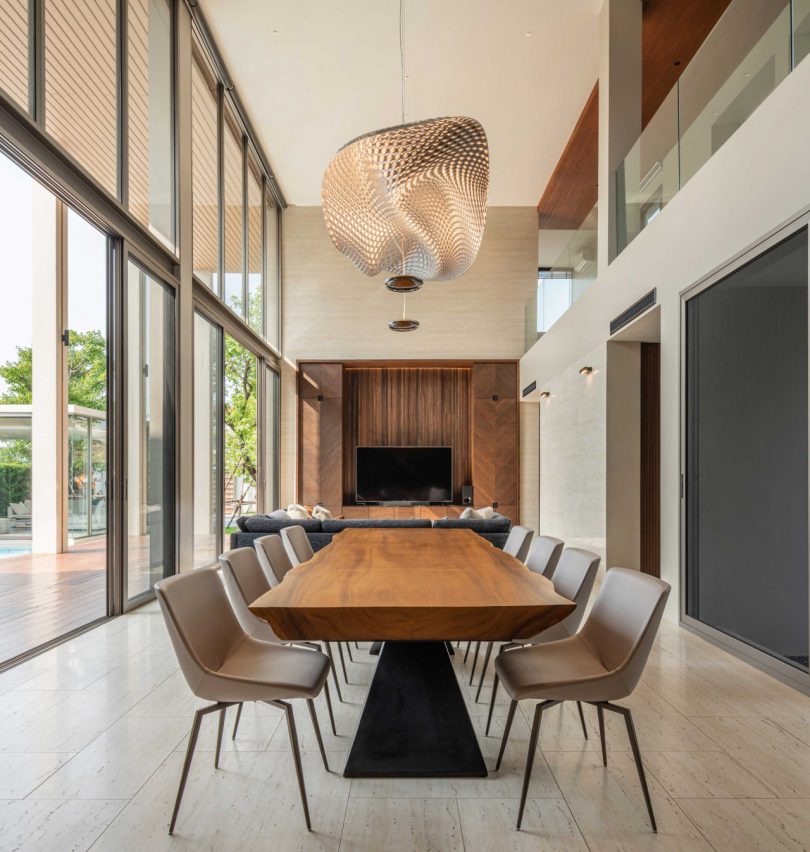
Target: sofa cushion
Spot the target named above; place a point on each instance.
(267, 524)
(337, 525)
(496, 524)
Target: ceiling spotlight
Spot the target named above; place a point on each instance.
(528, 35)
(585, 371)
(545, 394)
(403, 325)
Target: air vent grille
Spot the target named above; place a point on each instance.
(633, 311)
(528, 389)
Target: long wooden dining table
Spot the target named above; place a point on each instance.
(415, 590)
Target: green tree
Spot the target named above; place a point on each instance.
(240, 419)
(87, 373)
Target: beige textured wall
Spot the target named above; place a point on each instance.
(331, 310)
(573, 455)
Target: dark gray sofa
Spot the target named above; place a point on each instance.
(320, 533)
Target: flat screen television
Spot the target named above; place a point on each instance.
(404, 475)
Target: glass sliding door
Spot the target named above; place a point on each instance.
(150, 431)
(54, 283)
(208, 484)
(241, 438)
(746, 454)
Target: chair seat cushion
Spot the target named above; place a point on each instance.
(567, 670)
(261, 671)
(267, 524)
(495, 524)
(336, 525)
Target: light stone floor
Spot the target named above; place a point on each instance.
(92, 735)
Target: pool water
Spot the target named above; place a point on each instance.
(7, 550)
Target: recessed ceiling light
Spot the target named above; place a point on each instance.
(275, 32)
(528, 35)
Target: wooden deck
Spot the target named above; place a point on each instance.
(45, 595)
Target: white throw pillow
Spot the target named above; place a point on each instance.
(297, 513)
(486, 513)
(469, 514)
(321, 514)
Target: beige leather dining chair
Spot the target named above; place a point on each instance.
(245, 582)
(573, 579)
(273, 557)
(518, 542)
(299, 550)
(544, 555)
(297, 544)
(599, 665)
(517, 545)
(222, 663)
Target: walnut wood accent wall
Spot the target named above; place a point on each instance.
(409, 406)
(650, 468)
(469, 406)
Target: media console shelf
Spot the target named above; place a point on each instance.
(471, 406)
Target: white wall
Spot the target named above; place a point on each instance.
(758, 180)
(331, 310)
(572, 455)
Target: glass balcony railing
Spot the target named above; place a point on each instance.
(745, 57)
(559, 286)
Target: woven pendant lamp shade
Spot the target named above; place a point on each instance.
(410, 200)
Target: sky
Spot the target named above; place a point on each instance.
(20, 237)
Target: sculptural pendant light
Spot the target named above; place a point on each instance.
(403, 324)
(410, 200)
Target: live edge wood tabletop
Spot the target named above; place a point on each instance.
(411, 584)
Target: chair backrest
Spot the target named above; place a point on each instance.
(245, 581)
(574, 579)
(517, 544)
(297, 544)
(544, 555)
(201, 622)
(624, 620)
(273, 557)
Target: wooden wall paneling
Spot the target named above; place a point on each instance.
(507, 473)
(355, 511)
(320, 480)
(408, 406)
(435, 513)
(650, 468)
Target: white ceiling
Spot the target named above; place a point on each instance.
(314, 74)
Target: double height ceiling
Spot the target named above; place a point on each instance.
(313, 76)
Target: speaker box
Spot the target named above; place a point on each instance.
(466, 495)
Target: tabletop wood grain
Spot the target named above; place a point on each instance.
(411, 584)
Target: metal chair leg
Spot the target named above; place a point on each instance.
(299, 771)
(192, 744)
(334, 670)
(236, 723)
(343, 662)
(467, 652)
(582, 719)
(329, 707)
(600, 712)
(484, 670)
(220, 728)
(317, 727)
(475, 661)
(349, 651)
(492, 701)
(538, 715)
(357, 645)
(631, 735)
(510, 716)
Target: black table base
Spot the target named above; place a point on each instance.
(415, 723)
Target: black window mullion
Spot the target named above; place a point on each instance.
(245, 236)
(220, 291)
(122, 111)
(36, 60)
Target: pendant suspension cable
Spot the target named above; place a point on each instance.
(402, 57)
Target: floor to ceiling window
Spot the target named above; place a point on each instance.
(53, 412)
(14, 50)
(747, 456)
(207, 441)
(255, 242)
(241, 446)
(150, 430)
(150, 124)
(233, 214)
(81, 84)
